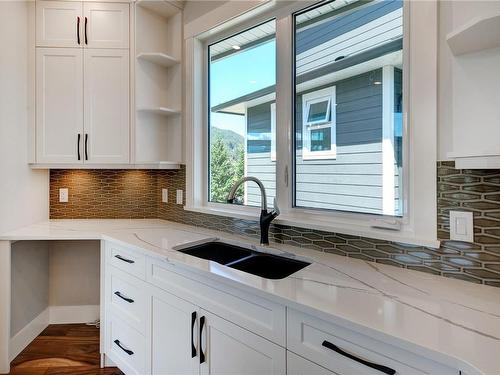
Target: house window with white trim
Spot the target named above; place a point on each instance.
(318, 129)
(327, 131)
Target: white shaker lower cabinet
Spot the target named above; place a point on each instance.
(165, 320)
(227, 349)
(174, 335)
(106, 106)
(59, 109)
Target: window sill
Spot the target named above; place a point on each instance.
(362, 228)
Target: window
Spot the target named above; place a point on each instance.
(327, 130)
(318, 129)
(348, 69)
(273, 131)
(242, 78)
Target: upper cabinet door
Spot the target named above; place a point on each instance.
(106, 25)
(59, 24)
(106, 106)
(59, 109)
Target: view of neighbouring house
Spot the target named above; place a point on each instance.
(348, 118)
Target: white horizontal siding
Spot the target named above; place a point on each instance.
(370, 35)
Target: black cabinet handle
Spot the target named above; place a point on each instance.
(193, 347)
(86, 40)
(129, 300)
(130, 261)
(78, 29)
(335, 348)
(202, 355)
(129, 352)
(78, 146)
(86, 146)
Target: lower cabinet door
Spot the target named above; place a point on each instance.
(296, 365)
(175, 335)
(227, 349)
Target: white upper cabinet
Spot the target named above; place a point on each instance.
(82, 83)
(106, 25)
(59, 98)
(82, 25)
(59, 24)
(106, 106)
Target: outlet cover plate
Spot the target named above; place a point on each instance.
(179, 196)
(63, 195)
(164, 195)
(461, 226)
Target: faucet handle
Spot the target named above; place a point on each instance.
(276, 209)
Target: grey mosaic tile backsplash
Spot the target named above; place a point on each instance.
(472, 190)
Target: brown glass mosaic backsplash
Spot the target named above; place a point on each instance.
(137, 194)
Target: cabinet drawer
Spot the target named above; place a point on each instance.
(296, 365)
(126, 347)
(258, 315)
(128, 299)
(130, 261)
(343, 351)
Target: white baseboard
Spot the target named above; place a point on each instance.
(28, 334)
(73, 314)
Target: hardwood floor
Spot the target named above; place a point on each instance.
(62, 349)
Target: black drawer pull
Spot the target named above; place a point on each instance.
(130, 261)
(129, 300)
(128, 351)
(202, 355)
(193, 347)
(335, 348)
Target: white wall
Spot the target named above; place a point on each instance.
(453, 14)
(23, 192)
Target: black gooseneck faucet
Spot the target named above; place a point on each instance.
(265, 217)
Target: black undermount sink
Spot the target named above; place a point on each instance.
(260, 264)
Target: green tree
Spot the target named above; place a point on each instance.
(239, 172)
(221, 171)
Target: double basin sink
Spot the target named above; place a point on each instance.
(260, 264)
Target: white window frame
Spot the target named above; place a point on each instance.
(419, 224)
(273, 131)
(318, 96)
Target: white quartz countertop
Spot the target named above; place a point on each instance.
(451, 321)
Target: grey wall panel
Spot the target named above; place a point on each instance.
(30, 282)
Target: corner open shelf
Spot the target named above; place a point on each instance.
(163, 111)
(158, 58)
(158, 83)
(478, 34)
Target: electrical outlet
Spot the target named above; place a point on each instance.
(63, 195)
(179, 196)
(164, 195)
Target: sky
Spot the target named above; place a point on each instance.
(237, 75)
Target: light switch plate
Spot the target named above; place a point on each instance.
(63, 195)
(164, 195)
(179, 196)
(461, 226)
